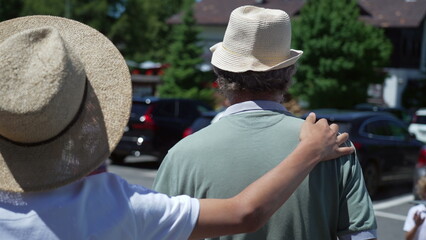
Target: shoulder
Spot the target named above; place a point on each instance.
(418, 207)
(113, 185)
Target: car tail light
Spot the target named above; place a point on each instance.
(421, 162)
(146, 122)
(357, 145)
(187, 132)
(414, 119)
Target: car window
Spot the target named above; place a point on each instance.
(379, 128)
(386, 128)
(397, 131)
(191, 109)
(187, 110)
(165, 109)
(138, 109)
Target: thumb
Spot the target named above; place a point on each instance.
(311, 118)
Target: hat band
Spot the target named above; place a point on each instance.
(75, 118)
(264, 58)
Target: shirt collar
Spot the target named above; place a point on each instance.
(257, 105)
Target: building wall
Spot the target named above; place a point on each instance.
(395, 83)
(423, 53)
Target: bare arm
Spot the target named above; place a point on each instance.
(418, 220)
(250, 209)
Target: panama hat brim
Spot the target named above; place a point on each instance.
(234, 62)
(93, 135)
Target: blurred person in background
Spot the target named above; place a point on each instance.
(413, 226)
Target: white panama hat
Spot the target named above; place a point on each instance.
(256, 39)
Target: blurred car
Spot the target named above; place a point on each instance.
(418, 125)
(400, 113)
(203, 121)
(155, 125)
(385, 149)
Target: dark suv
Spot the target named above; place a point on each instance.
(155, 125)
(386, 151)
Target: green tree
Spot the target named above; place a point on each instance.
(95, 13)
(342, 55)
(141, 30)
(137, 27)
(183, 77)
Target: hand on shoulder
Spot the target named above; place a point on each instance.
(323, 139)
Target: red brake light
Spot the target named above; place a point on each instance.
(187, 132)
(421, 161)
(414, 119)
(357, 145)
(146, 121)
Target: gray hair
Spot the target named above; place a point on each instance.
(254, 82)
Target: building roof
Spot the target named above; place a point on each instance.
(216, 12)
(394, 13)
(382, 13)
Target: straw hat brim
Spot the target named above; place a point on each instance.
(97, 130)
(234, 62)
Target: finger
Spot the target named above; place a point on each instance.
(311, 118)
(342, 151)
(342, 138)
(334, 127)
(322, 121)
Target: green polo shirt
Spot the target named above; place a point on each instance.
(222, 159)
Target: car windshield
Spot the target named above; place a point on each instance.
(139, 109)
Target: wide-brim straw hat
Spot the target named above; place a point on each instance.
(256, 39)
(65, 97)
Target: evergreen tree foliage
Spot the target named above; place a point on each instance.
(141, 30)
(183, 78)
(137, 27)
(93, 13)
(342, 55)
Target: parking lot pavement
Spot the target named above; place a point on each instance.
(390, 215)
(141, 171)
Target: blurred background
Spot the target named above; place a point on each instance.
(364, 67)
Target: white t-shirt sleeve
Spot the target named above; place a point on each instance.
(409, 222)
(163, 217)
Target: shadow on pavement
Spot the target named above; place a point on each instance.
(145, 165)
(393, 190)
(145, 162)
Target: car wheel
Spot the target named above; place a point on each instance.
(116, 158)
(371, 178)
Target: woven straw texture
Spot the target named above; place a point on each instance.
(90, 138)
(256, 39)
